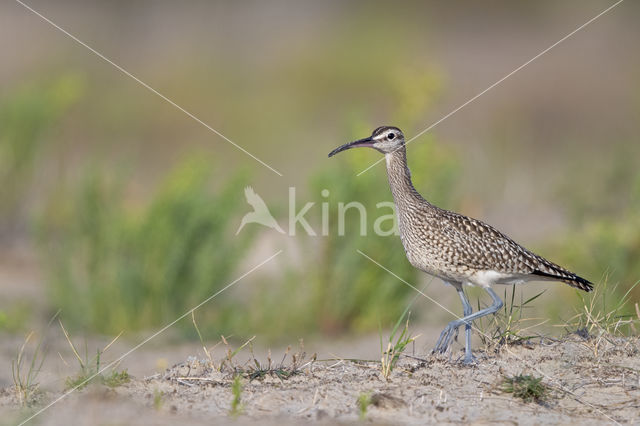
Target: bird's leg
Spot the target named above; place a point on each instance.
(466, 310)
(444, 341)
(445, 337)
(451, 330)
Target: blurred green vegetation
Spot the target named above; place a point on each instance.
(27, 114)
(603, 244)
(113, 267)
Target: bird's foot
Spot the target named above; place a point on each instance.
(469, 360)
(445, 340)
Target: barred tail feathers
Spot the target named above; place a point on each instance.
(567, 277)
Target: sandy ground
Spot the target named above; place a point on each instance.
(590, 381)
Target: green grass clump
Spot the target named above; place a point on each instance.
(89, 374)
(90, 368)
(291, 363)
(113, 267)
(396, 345)
(280, 370)
(25, 379)
(116, 378)
(509, 325)
(526, 387)
(605, 312)
(25, 372)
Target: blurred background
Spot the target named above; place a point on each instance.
(121, 211)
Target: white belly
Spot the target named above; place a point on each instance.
(486, 279)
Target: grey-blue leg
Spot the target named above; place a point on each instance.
(445, 340)
(466, 311)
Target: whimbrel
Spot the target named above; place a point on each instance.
(458, 249)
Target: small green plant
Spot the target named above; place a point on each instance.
(364, 400)
(526, 387)
(257, 370)
(279, 370)
(25, 382)
(395, 345)
(204, 346)
(116, 378)
(236, 402)
(231, 353)
(291, 364)
(158, 399)
(90, 369)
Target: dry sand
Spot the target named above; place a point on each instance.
(590, 381)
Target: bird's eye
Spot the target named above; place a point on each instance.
(390, 136)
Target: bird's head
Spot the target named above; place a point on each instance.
(385, 139)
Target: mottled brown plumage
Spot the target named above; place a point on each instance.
(456, 247)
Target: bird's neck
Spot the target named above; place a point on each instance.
(400, 179)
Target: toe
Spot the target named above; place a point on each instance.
(469, 360)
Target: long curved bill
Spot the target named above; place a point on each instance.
(355, 144)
